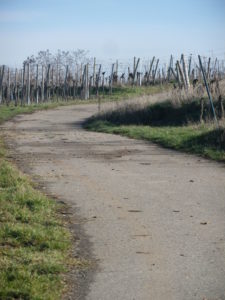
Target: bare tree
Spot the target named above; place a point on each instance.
(44, 58)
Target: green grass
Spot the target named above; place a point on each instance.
(34, 242)
(127, 92)
(162, 123)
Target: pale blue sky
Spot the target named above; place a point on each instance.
(112, 28)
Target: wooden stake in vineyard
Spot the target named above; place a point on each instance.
(208, 90)
(180, 74)
(28, 83)
(65, 83)
(98, 80)
(93, 78)
(154, 75)
(48, 82)
(36, 90)
(2, 70)
(16, 89)
(85, 88)
(170, 68)
(150, 69)
(135, 69)
(116, 72)
(111, 78)
(8, 88)
(87, 83)
(185, 70)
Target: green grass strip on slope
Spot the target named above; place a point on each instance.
(204, 140)
(34, 243)
(126, 92)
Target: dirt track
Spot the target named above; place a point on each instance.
(152, 219)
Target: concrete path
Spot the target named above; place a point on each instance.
(154, 219)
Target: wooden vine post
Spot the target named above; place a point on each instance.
(181, 73)
(16, 89)
(28, 82)
(48, 83)
(170, 68)
(1, 83)
(36, 90)
(98, 80)
(111, 78)
(189, 65)
(8, 88)
(116, 72)
(135, 69)
(150, 69)
(185, 70)
(154, 75)
(207, 89)
(65, 83)
(85, 83)
(94, 66)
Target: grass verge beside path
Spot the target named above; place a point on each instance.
(204, 140)
(172, 125)
(129, 92)
(34, 243)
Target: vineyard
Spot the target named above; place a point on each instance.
(72, 75)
